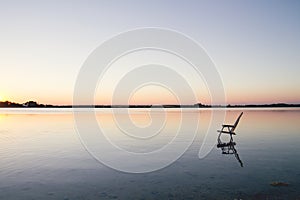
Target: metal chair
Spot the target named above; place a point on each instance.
(229, 129)
(228, 147)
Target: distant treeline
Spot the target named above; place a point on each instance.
(274, 105)
(33, 104)
(8, 104)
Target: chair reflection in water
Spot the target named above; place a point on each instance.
(228, 147)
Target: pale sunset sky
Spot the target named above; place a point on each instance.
(254, 44)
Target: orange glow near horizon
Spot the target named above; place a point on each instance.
(262, 96)
(139, 99)
(153, 95)
(156, 95)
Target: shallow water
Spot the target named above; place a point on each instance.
(41, 157)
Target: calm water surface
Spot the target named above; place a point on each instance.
(41, 157)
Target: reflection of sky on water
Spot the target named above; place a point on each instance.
(41, 157)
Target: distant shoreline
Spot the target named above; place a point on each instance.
(32, 104)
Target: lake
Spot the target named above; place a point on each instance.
(42, 156)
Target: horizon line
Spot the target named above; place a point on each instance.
(199, 105)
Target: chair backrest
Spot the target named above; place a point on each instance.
(237, 121)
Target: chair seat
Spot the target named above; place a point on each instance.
(227, 125)
(227, 132)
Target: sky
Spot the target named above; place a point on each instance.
(255, 45)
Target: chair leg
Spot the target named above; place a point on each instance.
(219, 139)
(231, 138)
